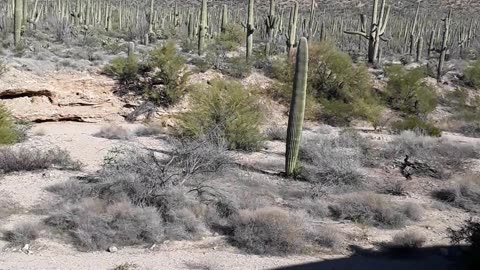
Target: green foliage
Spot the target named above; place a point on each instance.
(8, 134)
(231, 39)
(124, 69)
(416, 124)
(340, 87)
(225, 106)
(472, 75)
(162, 79)
(238, 67)
(408, 92)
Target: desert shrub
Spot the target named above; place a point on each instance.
(268, 231)
(466, 112)
(406, 242)
(276, 133)
(414, 123)
(225, 106)
(408, 92)
(147, 131)
(436, 157)
(472, 75)
(126, 266)
(113, 132)
(468, 233)
(161, 79)
(343, 89)
(3, 67)
(332, 162)
(22, 234)
(370, 209)
(326, 237)
(124, 69)
(231, 38)
(94, 225)
(237, 67)
(464, 193)
(31, 159)
(8, 134)
(396, 188)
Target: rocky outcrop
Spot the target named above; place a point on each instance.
(81, 97)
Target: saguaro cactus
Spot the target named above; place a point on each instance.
(18, 21)
(297, 108)
(377, 30)
(419, 49)
(292, 30)
(224, 23)
(202, 28)
(250, 27)
(443, 49)
(270, 24)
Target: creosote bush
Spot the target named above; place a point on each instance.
(464, 193)
(406, 242)
(231, 39)
(414, 123)
(225, 106)
(8, 134)
(22, 234)
(374, 210)
(32, 159)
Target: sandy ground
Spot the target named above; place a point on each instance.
(27, 191)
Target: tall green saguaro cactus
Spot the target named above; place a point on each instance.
(292, 30)
(297, 108)
(224, 23)
(202, 28)
(270, 24)
(18, 21)
(250, 27)
(377, 30)
(443, 49)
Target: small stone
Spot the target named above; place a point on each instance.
(112, 249)
(26, 247)
(153, 246)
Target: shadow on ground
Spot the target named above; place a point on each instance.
(434, 258)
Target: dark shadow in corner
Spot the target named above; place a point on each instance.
(430, 258)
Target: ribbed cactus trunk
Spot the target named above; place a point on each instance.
(270, 24)
(419, 49)
(443, 50)
(292, 30)
(250, 28)
(297, 108)
(202, 28)
(151, 18)
(18, 20)
(431, 44)
(224, 23)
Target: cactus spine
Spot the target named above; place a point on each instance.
(18, 19)
(250, 27)
(297, 108)
(202, 28)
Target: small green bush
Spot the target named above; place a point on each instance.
(408, 92)
(414, 123)
(468, 233)
(472, 75)
(124, 69)
(231, 39)
(8, 134)
(228, 107)
(237, 67)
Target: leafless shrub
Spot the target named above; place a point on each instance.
(31, 159)
(268, 231)
(406, 242)
(395, 188)
(435, 154)
(22, 235)
(61, 28)
(314, 207)
(464, 193)
(331, 161)
(113, 132)
(126, 266)
(372, 209)
(147, 131)
(326, 237)
(94, 225)
(276, 133)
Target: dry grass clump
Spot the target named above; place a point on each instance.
(268, 231)
(436, 155)
(464, 193)
(114, 132)
(276, 133)
(22, 235)
(374, 210)
(32, 159)
(406, 242)
(334, 161)
(148, 131)
(126, 266)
